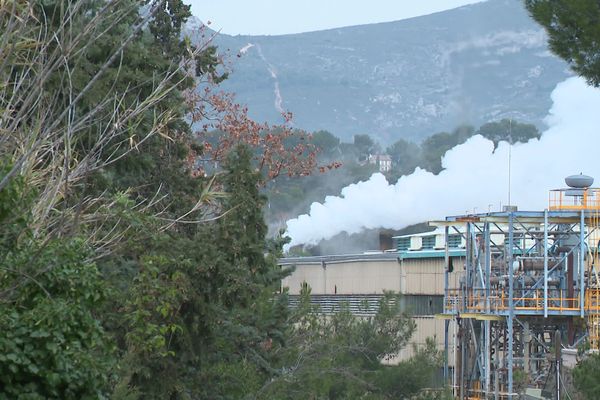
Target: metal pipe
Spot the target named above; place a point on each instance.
(488, 263)
(468, 257)
(446, 327)
(447, 322)
(488, 273)
(546, 263)
(581, 262)
(511, 308)
(496, 368)
(487, 355)
(558, 346)
(461, 333)
(447, 262)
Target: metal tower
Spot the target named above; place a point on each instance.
(526, 276)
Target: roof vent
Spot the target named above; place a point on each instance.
(579, 181)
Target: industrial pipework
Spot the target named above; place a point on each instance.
(526, 276)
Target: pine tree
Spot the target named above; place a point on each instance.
(206, 308)
(245, 282)
(574, 33)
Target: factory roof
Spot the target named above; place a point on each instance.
(437, 231)
(409, 254)
(367, 256)
(523, 216)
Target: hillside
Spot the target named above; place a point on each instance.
(409, 78)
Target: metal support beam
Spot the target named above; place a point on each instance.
(447, 322)
(487, 332)
(581, 262)
(488, 264)
(546, 263)
(487, 356)
(468, 258)
(493, 343)
(511, 308)
(446, 262)
(446, 361)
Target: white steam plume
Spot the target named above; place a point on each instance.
(475, 177)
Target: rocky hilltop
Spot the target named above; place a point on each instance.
(408, 78)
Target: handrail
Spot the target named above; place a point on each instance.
(562, 199)
(476, 300)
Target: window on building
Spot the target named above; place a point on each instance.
(403, 244)
(428, 242)
(454, 241)
(421, 305)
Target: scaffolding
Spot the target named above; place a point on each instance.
(527, 275)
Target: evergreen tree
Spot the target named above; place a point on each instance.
(405, 155)
(205, 310)
(246, 280)
(509, 131)
(434, 147)
(364, 145)
(96, 118)
(586, 376)
(327, 143)
(573, 31)
(340, 356)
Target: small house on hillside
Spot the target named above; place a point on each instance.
(383, 161)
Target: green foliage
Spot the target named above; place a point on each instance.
(434, 394)
(52, 346)
(206, 64)
(246, 277)
(166, 25)
(203, 310)
(15, 200)
(120, 145)
(508, 130)
(340, 356)
(117, 277)
(154, 300)
(327, 143)
(364, 146)
(406, 156)
(586, 376)
(435, 146)
(573, 33)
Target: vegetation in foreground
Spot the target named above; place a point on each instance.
(128, 270)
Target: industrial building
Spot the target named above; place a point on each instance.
(528, 295)
(415, 269)
(508, 295)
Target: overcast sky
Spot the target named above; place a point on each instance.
(276, 17)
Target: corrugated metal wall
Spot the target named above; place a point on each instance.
(361, 283)
(349, 277)
(410, 276)
(368, 304)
